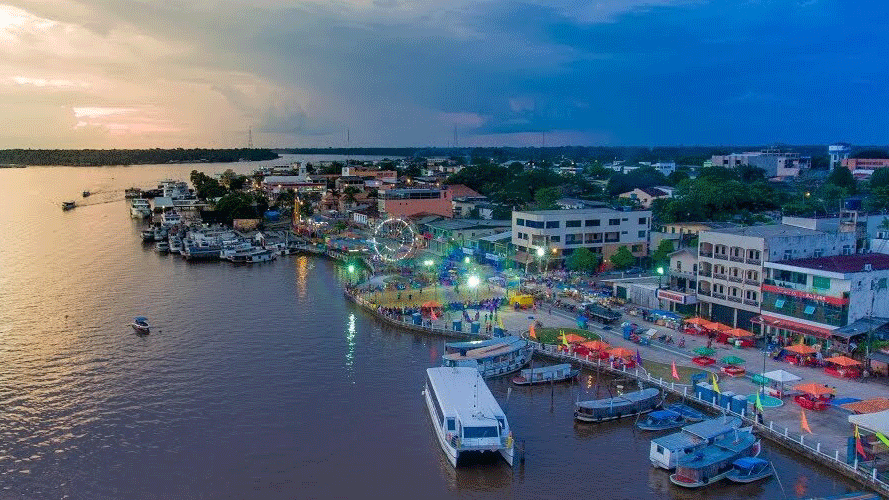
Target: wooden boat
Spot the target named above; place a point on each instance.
(749, 469)
(671, 417)
(140, 324)
(712, 463)
(493, 357)
(626, 405)
(68, 205)
(666, 450)
(545, 374)
(86, 193)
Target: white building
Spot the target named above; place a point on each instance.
(730, 265)
(839, 152)
(816, 297)
(559, 232)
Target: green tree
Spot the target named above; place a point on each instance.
(676, 177)
(640, 178)
(546, 198)
(662, 254)
(350, 193)
(842, 177)
(878, 200)
(582, 260)
(623, 259)
(880, 178)
(501, 212)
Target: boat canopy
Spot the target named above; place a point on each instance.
(659, 414)
(748, 463)
(141, 318)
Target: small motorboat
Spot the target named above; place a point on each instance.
(148, 235)
(671, 417)
(68, 205)
(162, 246)
(86, 193)
(626, 405)
(140, 324)
(545, 374)
(749, 469)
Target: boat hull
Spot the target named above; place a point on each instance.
(141, 328)
(519, 380)
(748, 479)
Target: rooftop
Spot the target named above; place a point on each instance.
(578, 212)
(463, 391)
(458, 224)
(767, 231)
(842, 263)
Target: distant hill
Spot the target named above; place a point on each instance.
(96, 157)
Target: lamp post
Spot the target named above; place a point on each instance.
(428, 263)
(660, 275)
(472, 282)
(351, 269)
(540, 253)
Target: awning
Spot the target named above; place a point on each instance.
(860, 327)
(793, 326)
(874, 422)
(781, 376)
(878, 356)
(867, 406)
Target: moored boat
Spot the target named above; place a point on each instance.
(140, 208)
(466, 417)
(666, 450)
(68, 205)
(712, 463)
(261, 255)
(545, 374)
(671, 417)
(170, 219)
(625, 405)
(148, 235)
(175, 244)
(749, 469)
(86, 193)
(492, 357)
(140, 324)
(162, 246)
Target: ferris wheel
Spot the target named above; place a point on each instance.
(394, 239)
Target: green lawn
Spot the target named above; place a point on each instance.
(659, 370)
(553, 335)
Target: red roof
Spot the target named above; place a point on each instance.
(842, 263)
(793, 326)
(460, 191)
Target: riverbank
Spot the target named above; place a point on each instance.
(829, 435)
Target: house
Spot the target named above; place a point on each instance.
(645, 196)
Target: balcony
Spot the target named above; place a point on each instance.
(705, 273)
(751, 302)
(721, 256)
(716, 295)
(736, 259)
(704, 292)
(703, 253)
(734, 299)
(720, 276)
(735, 279)
(752, 282)
(755, 262)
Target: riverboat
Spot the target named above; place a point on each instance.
(666, 451)
(671, 417)
(170, 219)
(545, 374)
(712, 463)
(626, 405)
(68, 205)
(140, 324)
(175, 244)
(466, 417)
(749, 469)
(86, 194)
(140, 208)
(494, 357)
(132, 193)
(202, 251)
(162, 246)
(148, 235)
(261, 255)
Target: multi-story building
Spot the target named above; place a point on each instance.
(448, 235)
(838, 152)
(680, 292)
(646, 196)
(559, 232)
(864, 167)
(730, 265)
(816, 297)
(774, 162)
(410, 202)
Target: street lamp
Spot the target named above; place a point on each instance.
(351, 269)
(540, 253)
(660, 272)
(473, 282)
(466, 260)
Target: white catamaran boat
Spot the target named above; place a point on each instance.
(140, 208)
(465, 415)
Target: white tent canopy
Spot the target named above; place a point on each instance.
(781, 376)
(874, 422)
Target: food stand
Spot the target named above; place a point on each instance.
(842, 367)
(703, 356)
(799, 354)
(814, 396)
(732, 366)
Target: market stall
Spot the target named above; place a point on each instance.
(703, 356)
(843, 367)
(732, 366)
(814, 396)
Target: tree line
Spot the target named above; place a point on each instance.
(99, 157)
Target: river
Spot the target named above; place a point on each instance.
(256, 382)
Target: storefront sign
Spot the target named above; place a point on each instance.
(677, 297)
(491, 256)
(805, 295)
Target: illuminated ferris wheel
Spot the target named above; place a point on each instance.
(394, 239)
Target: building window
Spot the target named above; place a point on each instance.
(847, 250)
(592, 222)
(520, 222)
(810, 310)
(788, 254)
(642, 234)
(613, 222)
(642, 220)
(818, 252)
(820, 282)
(552, 224)
(572, 223)
(555, 239)
(637, 248)
(678, 265)
(779, 303)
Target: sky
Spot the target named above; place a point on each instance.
(312, 73)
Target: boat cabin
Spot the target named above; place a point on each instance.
(666, 451)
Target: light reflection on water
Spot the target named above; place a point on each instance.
(239, 391)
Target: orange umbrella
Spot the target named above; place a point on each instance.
(711, 325)
(814, 389)
(801, 349)
(696, 321)
(842, 361)
(621, 352)
(431, 304)
(596, 345)
(737, 332)
(572, 338)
